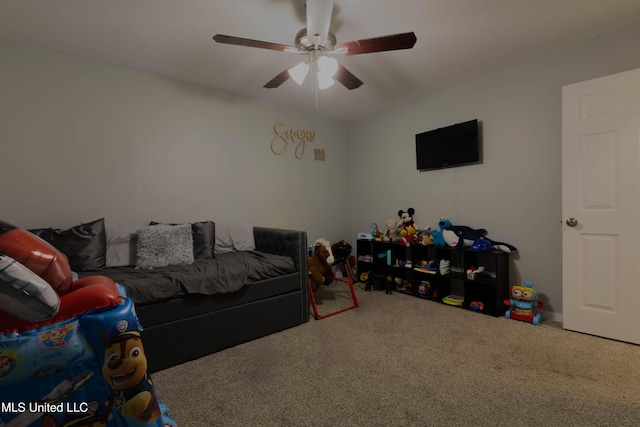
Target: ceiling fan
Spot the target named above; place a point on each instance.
(315, 42)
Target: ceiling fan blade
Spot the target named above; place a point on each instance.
(278, 80)
(347, 79)
(379, 44)
(319, 18)
(239, 41)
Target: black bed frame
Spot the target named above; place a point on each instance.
(183, 329)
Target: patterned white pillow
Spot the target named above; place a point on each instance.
(162, 245)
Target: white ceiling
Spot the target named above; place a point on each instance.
(457, 40)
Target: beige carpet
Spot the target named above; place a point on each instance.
(398, 360)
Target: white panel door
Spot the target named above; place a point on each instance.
(601, 206)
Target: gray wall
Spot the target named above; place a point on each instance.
(83, 139)
(516, 193)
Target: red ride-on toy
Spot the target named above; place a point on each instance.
(340, 252)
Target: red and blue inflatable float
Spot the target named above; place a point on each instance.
(71, 353)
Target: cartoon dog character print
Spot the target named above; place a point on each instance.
(125, 370)
(57, 338)
(8, 362)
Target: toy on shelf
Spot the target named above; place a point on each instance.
(392, 232)
(426, 289)
(445, 267)
(426, 267)
(455, 300)
(474, 272)
(424, 237)
(365, 258)
(438, 238)
(406, 227)
(376, 233)
(461, 236)
(403, 285)
(523, 301)
(476, 305)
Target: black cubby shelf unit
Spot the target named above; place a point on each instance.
(416, 270)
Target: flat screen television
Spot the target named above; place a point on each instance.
(449, 146)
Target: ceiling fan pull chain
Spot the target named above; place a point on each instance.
(314, 80)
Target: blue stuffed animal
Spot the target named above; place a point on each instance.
(438, 238)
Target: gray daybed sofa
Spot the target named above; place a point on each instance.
(214, 302)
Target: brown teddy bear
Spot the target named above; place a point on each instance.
(319, 269)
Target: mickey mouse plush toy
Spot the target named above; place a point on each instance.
(406, 227)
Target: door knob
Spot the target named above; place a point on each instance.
(572, 222)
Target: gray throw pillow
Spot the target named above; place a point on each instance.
(223, 241)
(231, 237)
(162, 245)
(122, 243)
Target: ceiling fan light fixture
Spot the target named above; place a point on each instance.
(327, 66)
(325, 81)
(299, 72)
(314, 42)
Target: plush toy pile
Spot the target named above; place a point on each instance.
(406, 232)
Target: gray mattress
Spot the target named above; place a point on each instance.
(225, 273)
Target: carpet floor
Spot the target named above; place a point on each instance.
(398, 360)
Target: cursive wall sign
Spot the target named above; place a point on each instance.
(284, 137)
